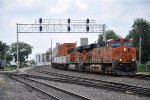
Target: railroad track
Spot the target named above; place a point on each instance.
(53, 92)
(97, 83)
(137, 76)
(140, 76)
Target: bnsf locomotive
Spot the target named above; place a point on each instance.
(116, 56)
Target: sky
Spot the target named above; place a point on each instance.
(118, 15)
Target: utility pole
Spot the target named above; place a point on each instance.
(17, 70)
(51, 51)
(5, 55)
(140, 52)
(76, 43)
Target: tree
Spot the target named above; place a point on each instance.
(110, 34)
(24, 51)
(4, 48)
(141, 29)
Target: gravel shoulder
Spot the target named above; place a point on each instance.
(13, 90)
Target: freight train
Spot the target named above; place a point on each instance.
(116, 56)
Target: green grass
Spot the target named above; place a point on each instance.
(8, 68)
(144, 73)
(141, 68)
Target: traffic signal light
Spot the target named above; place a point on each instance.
(40, 28)
(68, 28)
(87, 24)
(40, 20)
(87, 20)
(87, 28)
(68, 20)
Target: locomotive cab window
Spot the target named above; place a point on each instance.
(130, 44)
(115, 44)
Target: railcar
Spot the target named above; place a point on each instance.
(117, 56)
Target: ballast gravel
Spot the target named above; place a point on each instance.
(13, 90)
(117, 79)
(93, 93)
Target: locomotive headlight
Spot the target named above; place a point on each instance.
(132, 59)
(124, 49)
(120, 59)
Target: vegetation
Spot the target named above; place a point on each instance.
(141, 29)
(141, 68)
(11, 53)
(24, 51)
(144, 73)
(4, 48)
(7, 68)
(110, 34)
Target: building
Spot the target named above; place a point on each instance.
(83, 41)
(43, 59)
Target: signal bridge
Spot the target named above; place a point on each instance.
(61, 26)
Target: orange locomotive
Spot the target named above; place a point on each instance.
(116, 56)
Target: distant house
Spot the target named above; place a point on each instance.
(2, 63)
(12, 63)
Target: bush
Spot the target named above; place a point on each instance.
(141, 68)
(15, 66)
(12, 67)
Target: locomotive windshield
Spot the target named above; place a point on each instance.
(118, 44)
(115, 44)
(128, 44)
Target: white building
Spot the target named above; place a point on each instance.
(43, 59)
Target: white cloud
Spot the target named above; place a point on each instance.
(60, 7)
(82, 5)
(26, 3)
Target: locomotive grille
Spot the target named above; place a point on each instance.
(126, 56)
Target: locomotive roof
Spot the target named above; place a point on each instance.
(119, 39)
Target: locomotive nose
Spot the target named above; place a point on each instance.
(124, 54)
(126, 49)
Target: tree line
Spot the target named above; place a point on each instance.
(139, 29)
(9, 52)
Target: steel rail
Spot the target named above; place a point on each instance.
(99, 83)
(32, 86)
(64, 92)
(137, 76)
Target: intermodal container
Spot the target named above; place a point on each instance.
(62, 49)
